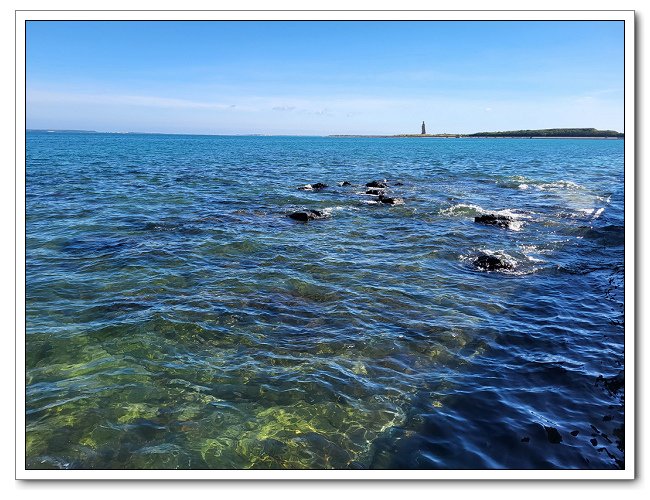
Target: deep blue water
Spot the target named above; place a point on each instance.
(178, 318)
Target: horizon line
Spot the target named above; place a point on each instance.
(251, 134)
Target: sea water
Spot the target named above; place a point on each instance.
(178, 318)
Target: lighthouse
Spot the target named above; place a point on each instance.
(424, 130)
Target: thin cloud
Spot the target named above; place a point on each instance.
(130, 100)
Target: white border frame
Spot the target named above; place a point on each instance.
(630, 435)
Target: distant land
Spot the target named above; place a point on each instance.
(547, 133)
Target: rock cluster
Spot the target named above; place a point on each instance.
(376, 188)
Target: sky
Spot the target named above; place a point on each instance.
(321, 78)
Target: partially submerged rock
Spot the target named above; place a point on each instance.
(377, 184)
(307, 215)
(494, 220)
(553, 435)
(375, 191)
(345, 183)
(390, 201)
(313, 187)
(491, 263)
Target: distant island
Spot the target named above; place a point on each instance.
(551, 133)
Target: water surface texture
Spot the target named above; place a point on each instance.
(178, 318)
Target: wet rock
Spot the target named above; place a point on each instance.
(594, 441)
(398, 184)
(575, 433)
(525, 439)
(345, 183)
(491, 263)
(390, 201)
(313, 187)
(375, 192)
(613, 384)
(494, 220)
(377, 184)
(553, 435)
(307, 215)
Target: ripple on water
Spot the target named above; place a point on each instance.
(177, 318)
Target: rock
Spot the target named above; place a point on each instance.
(491, 263)
(390, 201)
(377, 184)
(494, 220)
(594, 441)
(375, 192)
(345, 183)
(525, 439)
(398, 184)
(313, 187)
(575, 433)
(553, 435)
(307, 215)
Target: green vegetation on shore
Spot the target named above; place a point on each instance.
(551, 132)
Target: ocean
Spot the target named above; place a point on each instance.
(178, 318)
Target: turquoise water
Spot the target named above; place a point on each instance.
(178, 318)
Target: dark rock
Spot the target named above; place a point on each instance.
(345, 183)
(613, 384)
(375, 192)
(398, 184)
(377, 184)
(494, 220)
(390, 201)
(553, 435)
(491, 263)
(313, 187)
(525, 439)
(594, 441)
(307, 215)
(575, 433)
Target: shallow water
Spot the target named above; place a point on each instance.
(177, 318)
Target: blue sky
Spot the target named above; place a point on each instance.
(319, 78)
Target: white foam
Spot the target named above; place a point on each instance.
(463, 208)
(559, 184)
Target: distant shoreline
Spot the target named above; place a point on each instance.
(545, 133)
(461, 136)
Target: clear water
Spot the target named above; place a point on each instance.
(177, 318)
